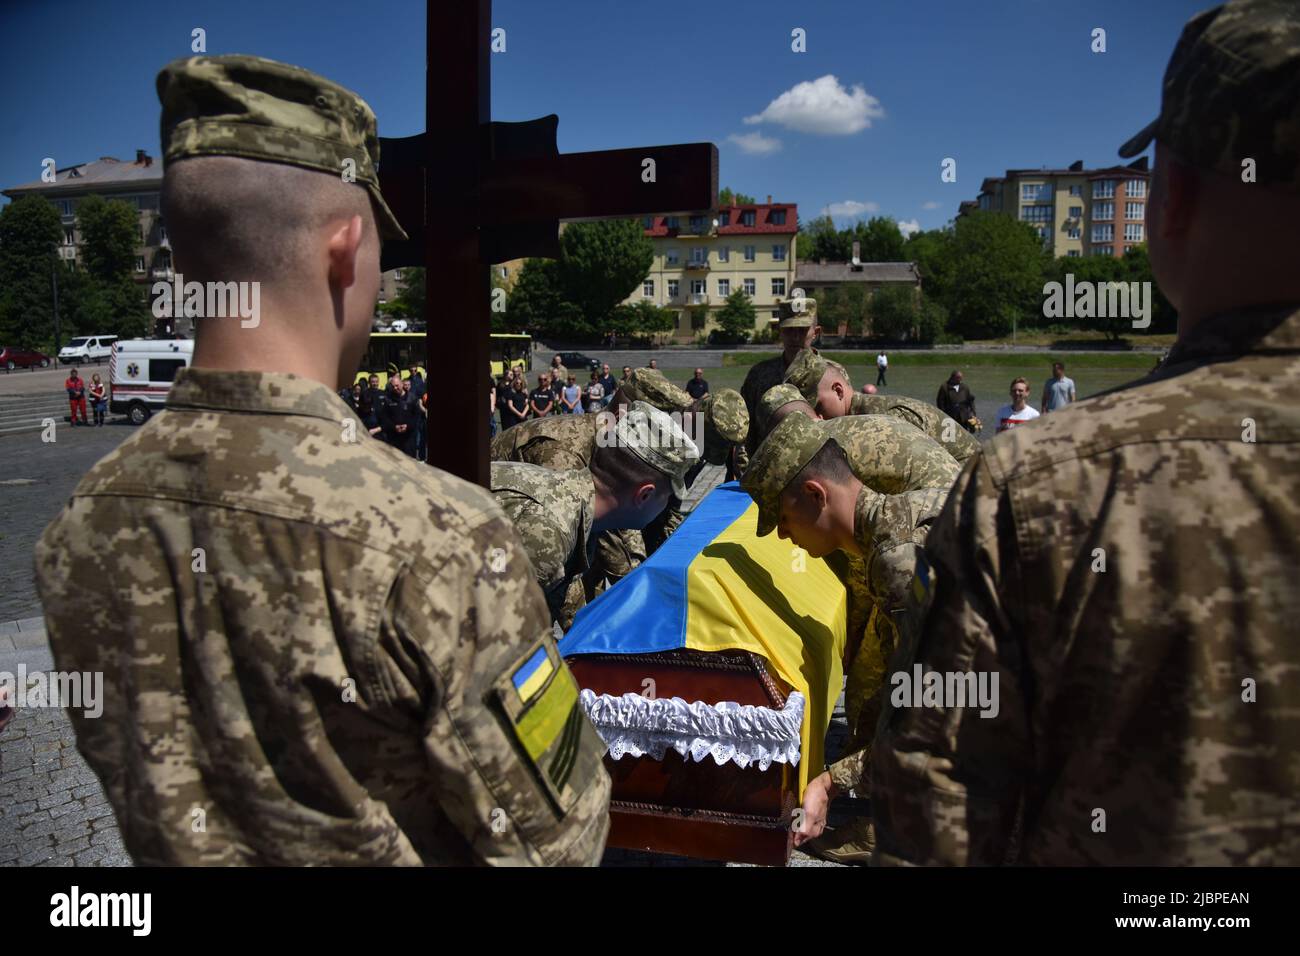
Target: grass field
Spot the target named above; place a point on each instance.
(989, 375)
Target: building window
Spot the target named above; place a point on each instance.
(673, 223)
(724, 219)
(672, 288)
(648, 222)
(1103, 210)
(1103, 233)
(724, 253)
(747, 217)
(1036, 213)
(69, 237)
(139, 263)
(1035, 192)
(1073, 233)
(671, 257)
(778, 217)
(1076, 190)
(648, 289)
(1103, 189)
(749, 253)
(1135, 210)
(1076, 212)
(749, 287)
(778, 286)
(1137, 188)
(697, 287)
(1133, 232)
(1072, 254)
(65, 207)
(699, 255)
(1102, 251)
(724, 287)
(778, 253)
(697, 224)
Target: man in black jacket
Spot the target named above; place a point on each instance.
(399, 416)
(957, 400)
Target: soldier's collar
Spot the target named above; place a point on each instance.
(273, 393)
(1274, 328)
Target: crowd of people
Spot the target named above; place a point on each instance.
(398, 413)
(558, 392)
(957, 401)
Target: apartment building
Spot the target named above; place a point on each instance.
(1076, 211)
(703, 257)
(139, 184)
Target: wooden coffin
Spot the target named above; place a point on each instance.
(680, 806)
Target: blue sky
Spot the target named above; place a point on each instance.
(860, 122)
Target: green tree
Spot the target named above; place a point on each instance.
(931, 321)
(879, 239)
(29, 231)
(728, 198)
(535, 300)
(411, 298)
(110, 232)
(600, 265)
(736, 318)
(893, 312)
(848, 306)
(819, 239)
(932, 252)
(996, 276)
(642, 318)
(1092, 270)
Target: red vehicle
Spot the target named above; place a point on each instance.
(12, 358)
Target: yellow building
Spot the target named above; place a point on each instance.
(701, 258)
(1076, 211)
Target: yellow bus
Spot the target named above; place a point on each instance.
(405, 349)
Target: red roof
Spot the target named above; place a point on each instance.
(763, 223)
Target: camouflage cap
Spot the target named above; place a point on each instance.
(726, 423)
(1232, 92)
(798, 311)
(254, 108)
(805, 373)
(775, 397)
(792, 444)
(658, 441)
(649, 385)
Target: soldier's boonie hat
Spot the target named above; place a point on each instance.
(726, 423)
(255, 108)
(798, 311)
(805, 373)
(774, 398)
(658, 441)
(1232, 92)
(649, 385)
(790, 446)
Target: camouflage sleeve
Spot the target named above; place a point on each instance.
(511, 758)
(946, 780)
(848, 773)
(550, 453)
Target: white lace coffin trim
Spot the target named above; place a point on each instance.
(739, 733)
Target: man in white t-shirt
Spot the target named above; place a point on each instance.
(1009, 416)
(882, 366)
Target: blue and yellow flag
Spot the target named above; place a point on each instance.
(715, 585)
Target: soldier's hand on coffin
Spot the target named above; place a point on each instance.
(816, 798)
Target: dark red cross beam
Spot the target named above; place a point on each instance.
(466, 208)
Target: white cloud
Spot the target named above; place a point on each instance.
(849, 209)
(908, 226)
(823, 107)
(756, 144)
(930, 205)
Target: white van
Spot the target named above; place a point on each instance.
(87, 348)
(140, 375)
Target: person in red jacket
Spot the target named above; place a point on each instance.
(76, 387)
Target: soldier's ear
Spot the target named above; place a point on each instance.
(645, 493)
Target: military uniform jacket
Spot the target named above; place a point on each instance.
(553, 512)
(1126, 568)
(312, 646)
(766, 374)
(954, 438)
(557, 441)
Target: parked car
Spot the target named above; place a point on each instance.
(87, 348)
(576, 360)
(12, 358)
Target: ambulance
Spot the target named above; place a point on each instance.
(140, 374)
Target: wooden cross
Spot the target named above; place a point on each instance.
(501, 198)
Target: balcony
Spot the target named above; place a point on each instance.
(162, 272)
(697, 298)
(697, 264)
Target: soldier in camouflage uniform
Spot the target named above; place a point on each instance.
(868, 486)
(1126, 568)
(315, 650)
(799, 330)
(638, 461)
(827, 387)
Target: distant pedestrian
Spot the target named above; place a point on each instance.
(1059, 390)
(76, 388)
(542, 400)
(608, 383)
(492, 407)
(1019, 411)
(654, 364)
(514, 404)
(957, 401)
(882, 366)
(595, 393)
(697, 387)
(98, 398)
(571, 397)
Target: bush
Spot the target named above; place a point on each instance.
(931, 322)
